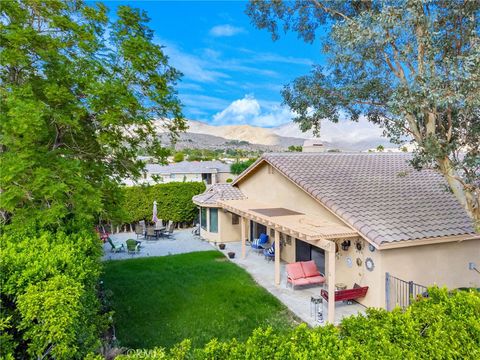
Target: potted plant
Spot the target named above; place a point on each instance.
(231, 254)
(221, 246)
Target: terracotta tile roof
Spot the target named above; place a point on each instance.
(218, 192)
(380, 195)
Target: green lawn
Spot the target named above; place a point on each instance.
(162, 300)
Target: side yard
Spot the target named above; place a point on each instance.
(160, 301)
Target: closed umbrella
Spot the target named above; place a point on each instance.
(154, 217)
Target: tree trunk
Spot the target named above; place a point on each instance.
(468, 195)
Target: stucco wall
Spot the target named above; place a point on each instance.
(442, 264)
(223, 176)
(276, 190)
(350, 275)
(228, 231)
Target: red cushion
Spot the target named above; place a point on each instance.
(310, 268)
(316, 279)
(301, 281)
(295, 271)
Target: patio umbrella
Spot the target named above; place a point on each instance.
(154, 217)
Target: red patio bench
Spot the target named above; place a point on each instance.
(347, 294)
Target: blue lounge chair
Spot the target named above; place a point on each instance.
(259, 244)
(269, 253)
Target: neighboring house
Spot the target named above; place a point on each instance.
(313, 145)
(397, 220)
(210, 172)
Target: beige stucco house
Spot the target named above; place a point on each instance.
(359, 216)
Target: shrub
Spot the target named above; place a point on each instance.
(238, 167)
(444, 326)
(229, 180)
(49, 304)
(174, 201)
(178, 157)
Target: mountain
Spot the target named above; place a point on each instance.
(345, 135)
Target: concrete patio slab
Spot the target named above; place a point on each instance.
(181, 242)
(298, 300)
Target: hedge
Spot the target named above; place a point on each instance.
(444, 326)
(174, 201)
(48, 303)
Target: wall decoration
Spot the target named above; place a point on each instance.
(358, 245)
(369, 264)
(359, 262)
(349, 261)
(371, 247)
(345, 245)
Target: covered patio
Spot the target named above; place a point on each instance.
(297, 301)
(311, 229)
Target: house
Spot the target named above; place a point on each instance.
(369, 219)
(210, 172)
(313, 145)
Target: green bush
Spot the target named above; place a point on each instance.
(229, 180)
(49, 303)
(174, 201)
(178, 157)
(238, 167)
(444, 326)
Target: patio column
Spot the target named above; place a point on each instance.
(331, 285)
(277, 257)
(243, 231)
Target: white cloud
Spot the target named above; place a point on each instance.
(344, 134)
(226, 30)
(253, 112)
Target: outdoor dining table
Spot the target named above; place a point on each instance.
(158, 231)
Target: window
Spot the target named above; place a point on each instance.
(213, 221)
(235, 219)
(203, 218)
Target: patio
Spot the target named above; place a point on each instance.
(182, 241)
(297, 301)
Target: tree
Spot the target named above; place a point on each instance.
(79, 92)
(293, 148)
(411, 67)
(240, 166)
(380, 148)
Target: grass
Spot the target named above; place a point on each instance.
(160, 301)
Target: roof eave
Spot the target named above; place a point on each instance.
(428, 241)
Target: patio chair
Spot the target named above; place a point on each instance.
(269, 253)
(170, 227)
(259, 244)
(102, 234)
(133, 246)
(115, 248)
(140, 230)
(150, 233)
(159, 224)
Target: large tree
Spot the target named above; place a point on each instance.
(78, 96)
(412, 67)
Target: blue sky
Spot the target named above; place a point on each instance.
(233, 73)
